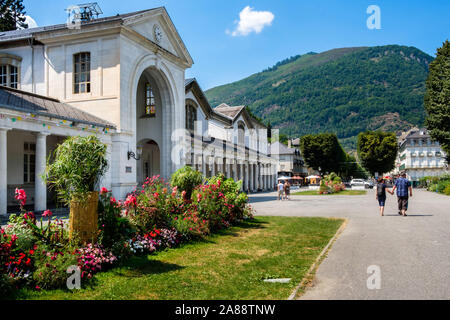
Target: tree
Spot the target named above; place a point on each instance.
(322, 152)
(437, 98)
(377, 151)
(12, 15)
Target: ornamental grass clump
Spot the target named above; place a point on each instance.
(75, 167)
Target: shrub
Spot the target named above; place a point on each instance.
(52, 265)
(186, 179)
(78, 164)
(5, 285)
(113, 228)
(447, 190)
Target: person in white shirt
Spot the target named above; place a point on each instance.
(280, 188)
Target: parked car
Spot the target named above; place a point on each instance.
(369, 184)
(357, 183)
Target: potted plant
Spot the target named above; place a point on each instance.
(76, 167)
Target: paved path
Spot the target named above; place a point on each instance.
(413, 252)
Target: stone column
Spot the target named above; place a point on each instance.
(204, 166)
(247, 184)
(3, 171)
(40, 187)
(235, 175)
(252, 177)
(213, 168)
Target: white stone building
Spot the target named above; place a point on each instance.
(121, 78)
(290, 162)
(419, 156)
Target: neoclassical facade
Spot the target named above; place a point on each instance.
(121, 78)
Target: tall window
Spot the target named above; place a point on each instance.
(241, 134)
(191, 117)
(9, 76)
(150, 104)
(82, 73)
(29, 162)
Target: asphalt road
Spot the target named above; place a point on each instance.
(412, 253)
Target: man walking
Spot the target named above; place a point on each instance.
(402, 185)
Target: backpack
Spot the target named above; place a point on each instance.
(380, 190)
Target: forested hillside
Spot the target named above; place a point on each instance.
(344, 91)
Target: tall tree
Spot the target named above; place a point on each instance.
(322, 152)
(12, 15)
(377, 151)
(437, 98)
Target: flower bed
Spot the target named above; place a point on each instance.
(37, 253)
(331, 184)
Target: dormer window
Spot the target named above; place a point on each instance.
(150, 105)
(9, 76)
(82, 73)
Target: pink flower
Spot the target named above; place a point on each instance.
(156, 195)
(47, 214)
(183, 194)
(104, 190)
(199, 197)
(21, 196)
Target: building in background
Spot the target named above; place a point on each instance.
(289, 160)
(419, 156)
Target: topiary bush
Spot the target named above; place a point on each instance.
(186, 179)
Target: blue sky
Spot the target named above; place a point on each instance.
(272, 30)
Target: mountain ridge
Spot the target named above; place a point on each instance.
(343, 90)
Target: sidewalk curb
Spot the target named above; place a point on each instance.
(318, 260)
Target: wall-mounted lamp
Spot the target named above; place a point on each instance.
(133, 155)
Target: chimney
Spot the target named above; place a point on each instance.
(289, 143)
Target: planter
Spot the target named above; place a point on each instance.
(84, 219)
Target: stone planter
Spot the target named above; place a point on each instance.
(84, 219)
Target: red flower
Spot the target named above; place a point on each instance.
(47, 214)
(104, 190)
(21, 196)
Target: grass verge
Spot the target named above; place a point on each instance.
(231, 265)
(342, 193)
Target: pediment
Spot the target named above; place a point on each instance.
(157, 22)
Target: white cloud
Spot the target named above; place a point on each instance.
(31, 22)
(252, 21)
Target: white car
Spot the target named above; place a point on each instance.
(358, 183)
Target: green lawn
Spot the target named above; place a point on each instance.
(342, 193)
(230, 265)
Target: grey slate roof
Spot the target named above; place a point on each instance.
(231, 112)
(22, 101)
(280, 148)
(29, 33)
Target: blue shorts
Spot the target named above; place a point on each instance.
(382, 201)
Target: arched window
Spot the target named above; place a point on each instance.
(191, 117)
(150, 104)
(241, 134)
(82, 72)
(9, 70)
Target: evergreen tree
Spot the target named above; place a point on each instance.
(437, 98)
(12, 15)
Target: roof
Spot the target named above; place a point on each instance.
(230, 112)
(22, 101)
(280, 148)
(420, 133)
(29, 33)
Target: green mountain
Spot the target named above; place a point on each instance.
(344, 91)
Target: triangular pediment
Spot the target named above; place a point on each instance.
(157, 27)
